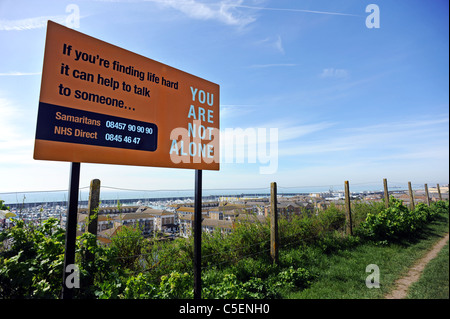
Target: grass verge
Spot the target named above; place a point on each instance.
(342, 274)
(434, 282)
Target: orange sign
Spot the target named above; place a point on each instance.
(102, 104)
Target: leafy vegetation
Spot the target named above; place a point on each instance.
(398, 221)
(32, 266)
(236, 265)
(3, 206)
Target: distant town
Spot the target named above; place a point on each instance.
(170, 218)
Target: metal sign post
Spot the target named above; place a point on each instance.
(71, 227)
(198, 235)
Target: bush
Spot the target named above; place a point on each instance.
(32, 267)
(232, 288)
(228, 288)
(398, 221)
(301, 230)
(3, 206)
(440, 207)
(176, 286)
(293, 278)
(128, 244)
(360, 211)
(332, 218)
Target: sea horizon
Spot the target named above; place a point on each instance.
(109, 193)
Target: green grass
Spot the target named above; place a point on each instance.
(434, 282)
(342, 274)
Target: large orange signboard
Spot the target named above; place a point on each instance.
(102, 104)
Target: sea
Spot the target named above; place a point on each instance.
(116, 194)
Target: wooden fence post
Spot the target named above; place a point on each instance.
(348, 211)
(386, 193)
(412, 206)
(92, 222)
(439, 192)
(273, 223)
(93, 204)
(427, 195)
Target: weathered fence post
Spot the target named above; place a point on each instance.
(427, 195)
(92, 222)
(386, 193)
(412, 206)
(93, 204)
(348, 211)
(439, 192)
(273, 223)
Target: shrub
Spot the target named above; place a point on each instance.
(440, 207)
(129, 244)
(231, 288)
(299, 230)
(398, 221)
(293, 278)
(228, 288)
(249, 267)
(176, 286)
(32, 267)
(332, 218)
(360, 211)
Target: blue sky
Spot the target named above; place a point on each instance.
(349, 102)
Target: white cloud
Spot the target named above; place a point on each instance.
(408, 140)
(279, 45)
(233, 110)
(294, 10)
(224, 11)
(19, 73)
(272, 65)
(334, 73)
(272, 43)
(30, 23)
(294, 132)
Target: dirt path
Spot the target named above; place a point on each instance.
(401, 285)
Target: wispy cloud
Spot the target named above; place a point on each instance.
(224, 11)
(334, 73)
(233, 110)
(29, 23)
(272, 65)
(19, 73)
(383, 141)
(272, 42)
(293, 132)
(289, 129)
(279, 45)
(294, 10)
